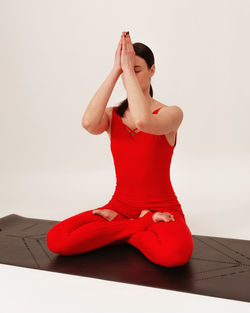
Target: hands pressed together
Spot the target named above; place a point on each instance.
(125, 54)
(157, 216)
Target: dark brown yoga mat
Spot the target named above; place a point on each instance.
(219, 267)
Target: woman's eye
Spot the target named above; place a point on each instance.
(137, 72)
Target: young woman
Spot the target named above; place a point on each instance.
(144, 210)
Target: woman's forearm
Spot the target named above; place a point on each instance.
(96, 107)
(139, 107)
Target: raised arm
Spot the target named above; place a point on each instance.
(95, 119)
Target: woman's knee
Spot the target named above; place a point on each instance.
(57, 237)
(51, 240)
(55, 241)
(175, 254)
(182, 252)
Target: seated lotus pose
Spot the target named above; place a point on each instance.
(144, 210)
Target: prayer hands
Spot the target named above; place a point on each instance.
(127, 53)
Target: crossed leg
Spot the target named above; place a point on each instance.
(165, 243)
(86, 231)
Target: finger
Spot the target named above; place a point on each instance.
(122, 43)
(129, 43)
(127, 40)
(125, 43)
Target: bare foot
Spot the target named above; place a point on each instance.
(163, 216)
(158, 216)
(108, 214)
(143, 212)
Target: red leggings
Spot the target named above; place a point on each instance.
(164, 243)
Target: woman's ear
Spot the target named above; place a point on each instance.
(152, 70)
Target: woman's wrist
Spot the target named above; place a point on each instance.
(117, 71)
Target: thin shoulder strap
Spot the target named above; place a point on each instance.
(114, 110)
(157, 110)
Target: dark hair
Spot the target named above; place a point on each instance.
(146, 53)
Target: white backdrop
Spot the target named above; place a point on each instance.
(55, 54)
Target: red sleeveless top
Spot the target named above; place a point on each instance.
(142, 165)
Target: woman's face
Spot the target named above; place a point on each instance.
(142, 72)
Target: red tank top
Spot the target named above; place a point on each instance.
(142, 165)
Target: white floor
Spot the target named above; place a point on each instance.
(26, 290)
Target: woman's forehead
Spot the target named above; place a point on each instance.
(139, 61)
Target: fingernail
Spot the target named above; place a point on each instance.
(127, 33)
